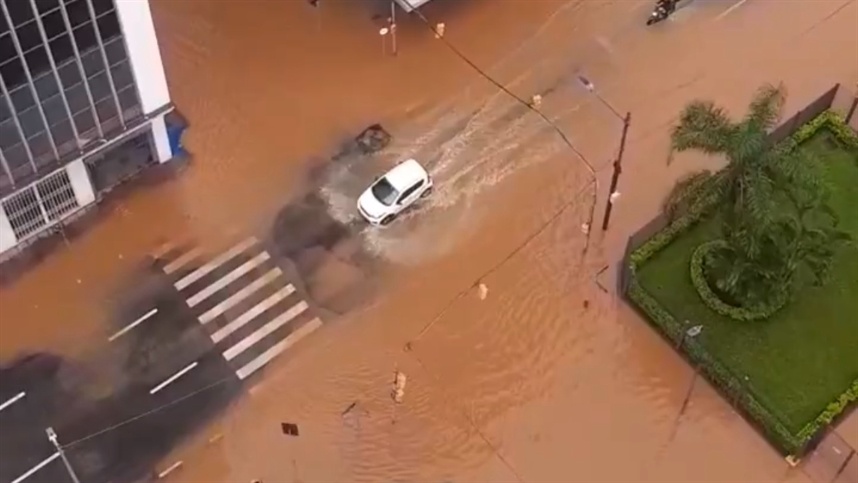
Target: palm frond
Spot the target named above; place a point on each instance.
(766, 107)
(703, 126)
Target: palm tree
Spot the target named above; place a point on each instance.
(774, 219)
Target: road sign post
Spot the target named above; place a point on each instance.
(52, 437)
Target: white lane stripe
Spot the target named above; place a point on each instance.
(265, 330)
(220, 260)
(12, 400)
(36, 468)
(237, 297)
(228, 278)
(252, 313)
(174, 377)
(132, 325)
(164, 248)
(278, 348)
(731, 9)
(182, 260)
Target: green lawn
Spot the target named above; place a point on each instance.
(807, 354)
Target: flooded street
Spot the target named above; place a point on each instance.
(548, 378)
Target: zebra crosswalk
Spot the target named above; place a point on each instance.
(241, 298)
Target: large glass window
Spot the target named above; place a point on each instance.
(93, 89)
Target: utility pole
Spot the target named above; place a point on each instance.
(52, 437)
(615, 177)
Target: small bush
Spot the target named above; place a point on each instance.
(712, 300)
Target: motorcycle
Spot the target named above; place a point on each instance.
(661, 11)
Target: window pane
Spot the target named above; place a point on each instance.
(46, 85)
(122, 76)
(108, 26)
(85, 123)
(44, 6)
(69, 73)
(61, 49)
(92, 62)
(8, 134)
(4, 26)
(99, 85)
(106, 110)
(40, 145)
(64, 137)
(102, 6)
(115, 50)
(37, 61)
(29, 36)
(20, 11)
(7, 49)
(130, 104)
(13, 73)
(78, 13)
(76, 95)
(22, 98)
(85, 37)
(31, 122)
(5, 111)
(19, 161)
(54, 24)
(55, 110)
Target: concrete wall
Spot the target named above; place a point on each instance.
(7, 236)
(144, 55)
(160, 141)
(81, 183)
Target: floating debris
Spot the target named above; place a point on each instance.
(289, 429)
(399, 381)
(483, 291)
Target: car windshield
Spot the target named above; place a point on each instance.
(384, 192)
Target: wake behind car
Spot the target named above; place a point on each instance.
(391, 194)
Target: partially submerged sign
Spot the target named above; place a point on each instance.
(409, 5)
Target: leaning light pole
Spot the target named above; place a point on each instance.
(613, 194)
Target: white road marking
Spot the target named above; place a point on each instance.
(278, 348)
(132, 325)
(220, 260)
(12, 400)
(182, 260)
(171, 469)
(265, 330)
(228, 278)
(731, 9)
(174, 377)
(36, 468)
(164, 249)
(237, 297)
(252, 313)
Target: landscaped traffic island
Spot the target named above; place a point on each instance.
(764, 261)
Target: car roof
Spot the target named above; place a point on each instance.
(405, 174)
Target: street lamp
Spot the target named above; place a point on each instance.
(591, 88)
(613, 194)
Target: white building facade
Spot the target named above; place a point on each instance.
(83, 100)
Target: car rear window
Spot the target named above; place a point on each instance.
(384, 192)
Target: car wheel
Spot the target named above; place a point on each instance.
(387, 219)
(426, 193)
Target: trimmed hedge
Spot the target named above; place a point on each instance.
(711, 299)
(734, 387)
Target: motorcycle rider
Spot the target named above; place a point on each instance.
(669, 6)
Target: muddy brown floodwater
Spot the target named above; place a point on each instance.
(547, 379)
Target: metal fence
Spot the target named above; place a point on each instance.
(41, 204)
(662, 220)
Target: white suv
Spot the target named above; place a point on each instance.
(392, 193)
